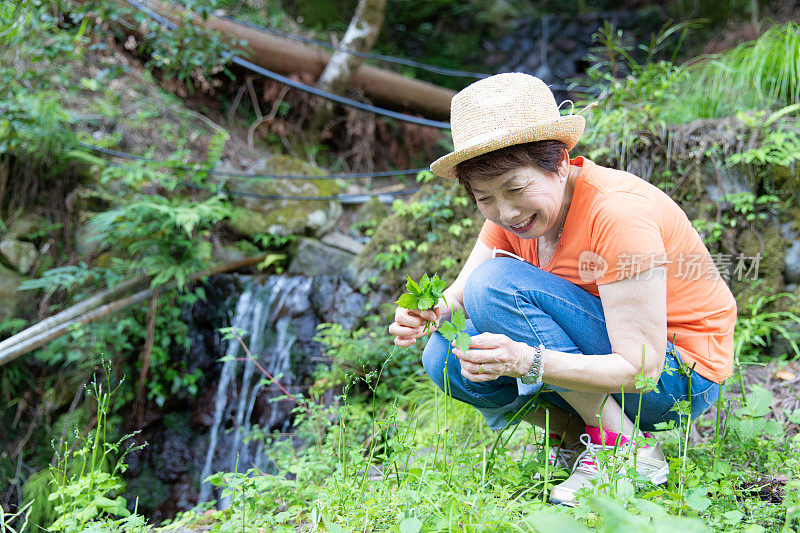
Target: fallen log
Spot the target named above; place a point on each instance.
(19, 345)
(286, 56)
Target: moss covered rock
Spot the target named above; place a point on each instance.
(9, 296)
(256, 211)
(433, 232)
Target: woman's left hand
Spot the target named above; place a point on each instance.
(491, 355)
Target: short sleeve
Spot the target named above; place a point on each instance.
(625, 237)
(493, 236)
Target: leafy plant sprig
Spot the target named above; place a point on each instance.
(422, 295)
(455, 330)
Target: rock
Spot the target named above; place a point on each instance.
(182, 496)
(792, 268)
(255, 214)
(335, 301)
(20, 255)
(314, 258)
(359, 277)
(202, 413)
(780, 345)
(343, 242)
(171, 456)
(88, 241)
(372, 212)
(145, 492)
(9, 296)
(732, 180)
(272, 413)
(229, 254)
(24, 226)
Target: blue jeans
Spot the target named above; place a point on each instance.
(517, 299)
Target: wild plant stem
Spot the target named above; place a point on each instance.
(547, 456)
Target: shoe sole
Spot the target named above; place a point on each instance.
(659, 478)
(559, 502)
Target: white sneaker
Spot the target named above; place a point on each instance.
(649, 459)
(563, 456)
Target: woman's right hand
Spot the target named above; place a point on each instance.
(409, 325)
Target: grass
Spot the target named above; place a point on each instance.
(428, 463)
(764, 73)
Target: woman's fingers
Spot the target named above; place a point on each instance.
(413, 319)
(489, 356)
(405, 331)
(404, 342)
(474, 373)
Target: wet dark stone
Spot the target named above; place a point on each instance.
(272, 414)
(323, 296)
(305, 325)
(335, 301)
(181, 497)
(350, 306)
(305, 353)
(145, 492)
(202, 413)
(136, 459)
(204, 318)
(171, 456)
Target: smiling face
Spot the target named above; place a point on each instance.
(526, 200)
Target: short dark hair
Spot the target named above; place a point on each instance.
(544, 155)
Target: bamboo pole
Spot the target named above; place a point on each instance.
(17, 347)
(76, 310)
(30, 344)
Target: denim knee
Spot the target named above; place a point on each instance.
(488, 278)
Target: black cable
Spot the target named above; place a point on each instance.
(366, 55)
(343, 198)
(153, 14)
(302, 86)
(340, 99)
(342, 176)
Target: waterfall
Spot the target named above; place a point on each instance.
(264, 311)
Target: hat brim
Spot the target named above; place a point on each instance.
(567, 129)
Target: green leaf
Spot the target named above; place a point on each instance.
(425, 302)
(410, 525)
(459, 320)
(698, 499)
(749, 428)
(759, 403)
(412, 286)
(733, 517)
(408, 301)
(463, 341)
(448, 331)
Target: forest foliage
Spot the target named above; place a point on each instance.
(392, 454)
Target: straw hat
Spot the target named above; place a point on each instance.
(504, 110)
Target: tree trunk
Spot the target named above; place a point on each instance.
(360, 36)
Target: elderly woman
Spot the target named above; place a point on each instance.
(584, 280)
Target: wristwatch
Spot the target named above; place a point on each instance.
(534, 375)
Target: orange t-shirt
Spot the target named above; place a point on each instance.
(618, 225)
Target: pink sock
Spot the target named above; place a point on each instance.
(604, 436)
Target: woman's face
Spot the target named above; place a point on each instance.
(525, 200)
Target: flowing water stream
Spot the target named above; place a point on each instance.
(264, 313)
